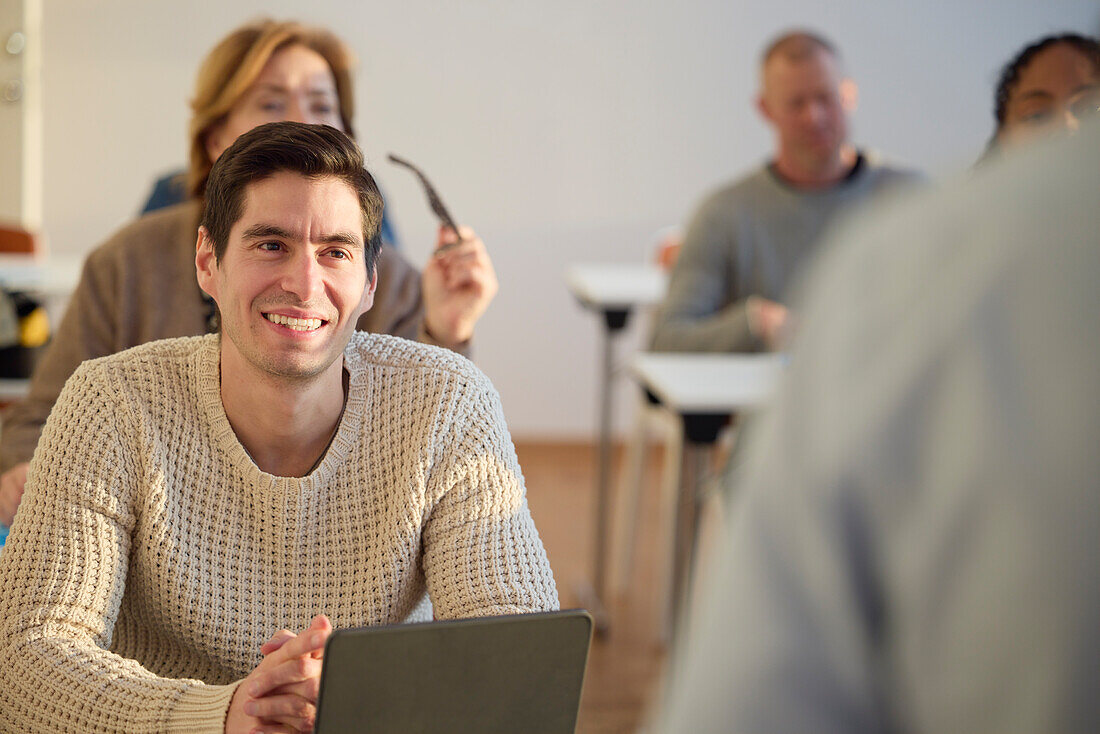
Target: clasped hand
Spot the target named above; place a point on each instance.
(280, 695)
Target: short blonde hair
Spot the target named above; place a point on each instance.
(235, 64)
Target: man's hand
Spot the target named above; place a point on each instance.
(280, 695)
(12, 483)
(458, 284)
(768, 321)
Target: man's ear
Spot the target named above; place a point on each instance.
(206, 264)
(368, 293)
(849, 95)
(762, 107)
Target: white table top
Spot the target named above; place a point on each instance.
(709, 383)
(53, 275)
(616, 285)
(12, 390)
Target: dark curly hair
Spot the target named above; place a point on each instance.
(1010, 74)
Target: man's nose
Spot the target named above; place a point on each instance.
(302, 277)
(814, 113)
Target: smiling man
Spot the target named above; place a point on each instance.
(194, 499)
(748, 239)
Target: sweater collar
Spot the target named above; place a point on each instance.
(207, 387)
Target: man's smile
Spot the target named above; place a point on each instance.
(295, 323)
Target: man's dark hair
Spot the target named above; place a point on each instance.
(1010, 74)
(798, 45)
(313, 151)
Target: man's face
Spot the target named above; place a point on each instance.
(292, 281)
(807, 101)
(296, 85)
(1058, 89)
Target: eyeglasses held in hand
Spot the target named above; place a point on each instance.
(433, 201)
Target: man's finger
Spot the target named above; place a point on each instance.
(324, 624)
(308, 689)
(310, 641)
(293, 711)
(277, 640)
(293, 670)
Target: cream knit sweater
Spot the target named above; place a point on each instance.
(151, 558)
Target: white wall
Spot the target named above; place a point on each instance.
(562, 131)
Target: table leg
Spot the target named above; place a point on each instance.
(591, 597)
(700, 433)
(692, 470)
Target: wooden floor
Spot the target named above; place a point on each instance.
(625, 666)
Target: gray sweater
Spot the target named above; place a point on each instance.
(750, 238)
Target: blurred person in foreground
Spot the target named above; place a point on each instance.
(1050, 86)
(140, 285)
(747, 240)
(913, 544)
(193, 500)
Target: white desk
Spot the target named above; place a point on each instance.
(52, 276)
(709, 383)
(613, 290)
(704, 390)
(610, 286)
(12, 390)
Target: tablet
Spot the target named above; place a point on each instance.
(516, 673)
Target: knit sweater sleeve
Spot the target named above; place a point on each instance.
(63, 574)
(482, 555)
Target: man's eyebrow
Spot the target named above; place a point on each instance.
(1034, 94)
(343, 238)
(260, 231)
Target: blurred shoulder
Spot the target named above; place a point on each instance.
(174, 226)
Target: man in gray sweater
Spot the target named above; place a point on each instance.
(913, 544)
(747, 240)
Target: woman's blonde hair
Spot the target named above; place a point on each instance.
(234, 65)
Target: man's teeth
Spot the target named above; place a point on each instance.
(293, 322)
